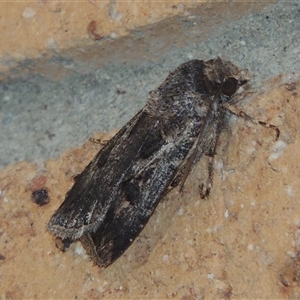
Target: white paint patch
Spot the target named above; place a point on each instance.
(291, 254)
(226, 214)
(289, 191)
(297, 222)
(113, 13)
(114, 35)
(197, 203)
(250, 247)
(165, 258)
(250, 150)
(79, 250)
(180, 212)
(101, 288)
(28, 13)
(7, 98)
(190, 56)
(51, 43)
(219, 165)
(278, 149)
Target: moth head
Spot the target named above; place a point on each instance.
(226, 77)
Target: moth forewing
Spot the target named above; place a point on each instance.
(114, 197)
(86, 203)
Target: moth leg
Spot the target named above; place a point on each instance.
(176, 180)
(243, 115)
(204, 189)
(200, 149)
(183, 174)
(98, 141)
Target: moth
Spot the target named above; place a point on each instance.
(114, 197)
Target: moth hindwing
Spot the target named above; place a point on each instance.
(114, 197)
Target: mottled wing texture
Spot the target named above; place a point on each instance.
(87, 203)
(114, 197)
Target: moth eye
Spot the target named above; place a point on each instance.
(230, 86)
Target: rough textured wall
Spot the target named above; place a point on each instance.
(65, 75)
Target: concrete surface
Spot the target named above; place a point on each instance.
(243, 242)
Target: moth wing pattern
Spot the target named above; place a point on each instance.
(141, 197)
(114, 197)
(69, 222)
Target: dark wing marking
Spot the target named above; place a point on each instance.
(143, 186)
(89, 200)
